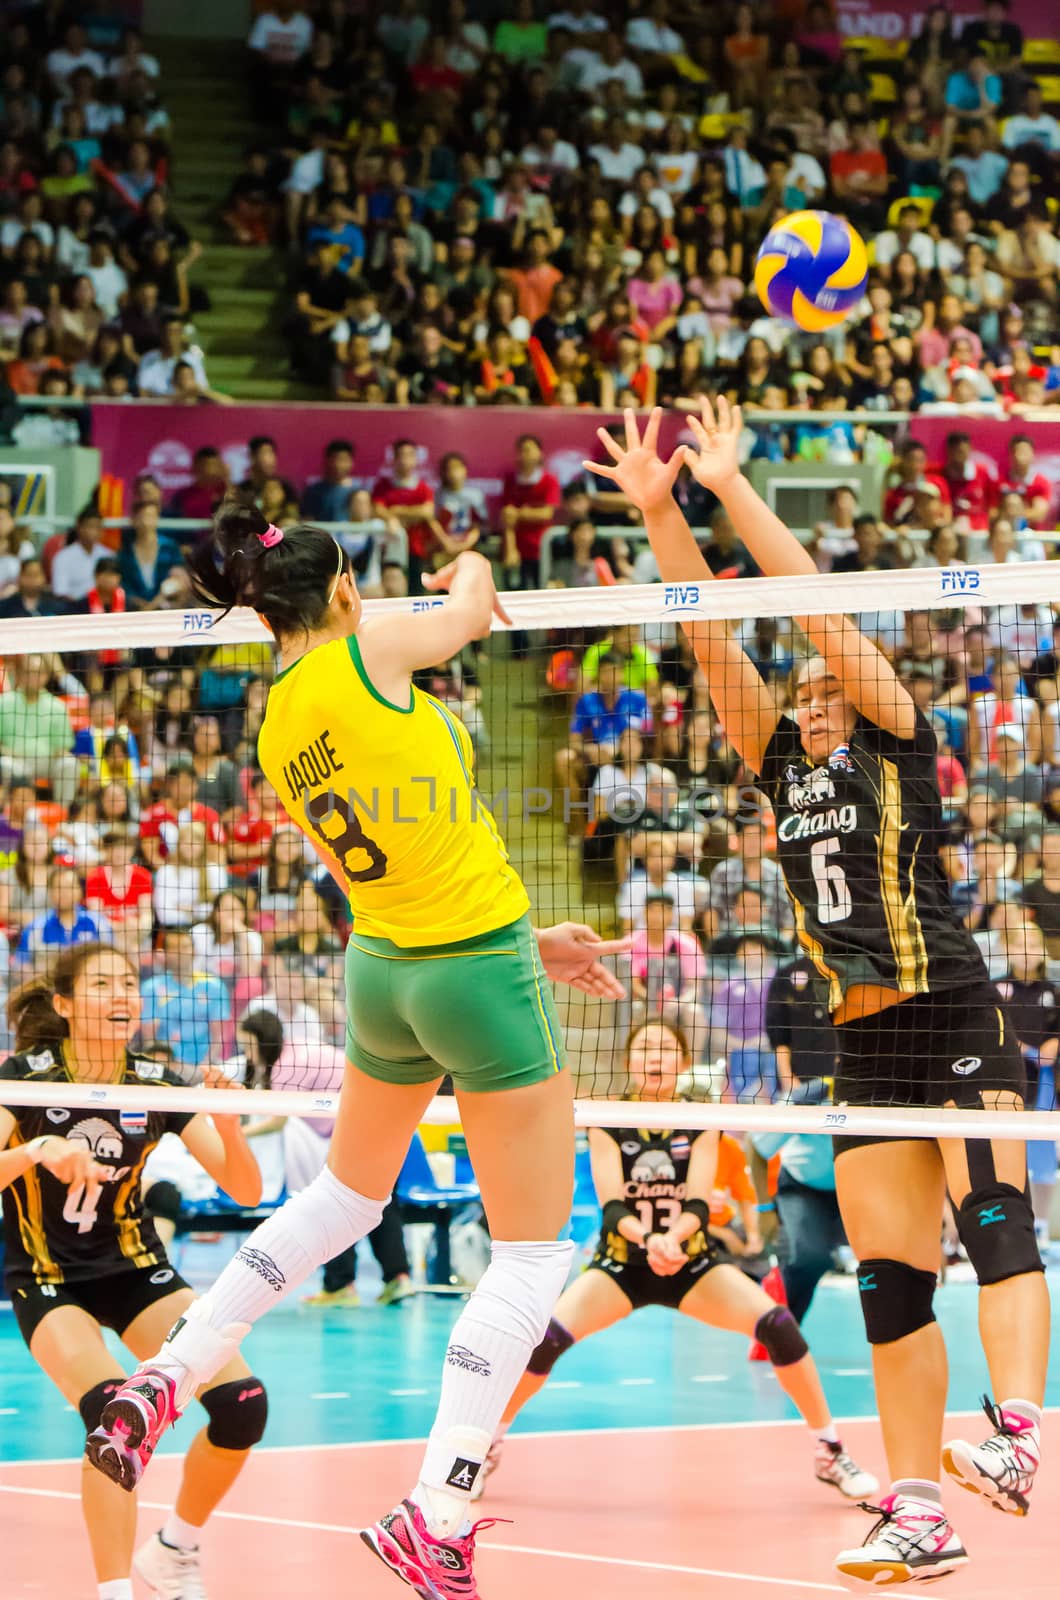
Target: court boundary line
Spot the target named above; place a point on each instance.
(350, 1531)
(537, 1433)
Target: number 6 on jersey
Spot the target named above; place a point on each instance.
(833, 893)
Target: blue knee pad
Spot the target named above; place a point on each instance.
(557, 1342)
(238, 1413)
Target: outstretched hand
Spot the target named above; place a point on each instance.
(639, 471)
(716, 462)
(570, 953)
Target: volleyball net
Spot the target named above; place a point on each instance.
(132, 811)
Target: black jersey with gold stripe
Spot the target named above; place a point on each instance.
(59, 1234)
(654, 1186)
(858, 840)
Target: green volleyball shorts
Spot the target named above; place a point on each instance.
(481, 1011)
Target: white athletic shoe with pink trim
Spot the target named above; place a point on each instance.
(1002, 1468)
(913, 1542)
(437, 1569)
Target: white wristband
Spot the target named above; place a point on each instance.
(37, 1146)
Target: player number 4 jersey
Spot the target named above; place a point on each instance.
(58, 1233)
(858, 840)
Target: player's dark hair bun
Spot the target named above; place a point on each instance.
(288, 579)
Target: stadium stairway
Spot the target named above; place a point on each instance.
(206, 95)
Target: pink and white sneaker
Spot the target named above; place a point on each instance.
(133, 1421)
(438, 1569)
(1002, 1468)
(913, 1542)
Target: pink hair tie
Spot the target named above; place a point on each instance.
(271, 537)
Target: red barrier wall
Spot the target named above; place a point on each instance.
(162, 439)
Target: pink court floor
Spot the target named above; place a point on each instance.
(730, 1512)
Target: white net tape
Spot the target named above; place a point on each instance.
(738, 599)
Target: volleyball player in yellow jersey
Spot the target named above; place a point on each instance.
(443, 975)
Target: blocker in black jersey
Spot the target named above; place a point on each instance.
(654, 1186)
(58, 1235)
(858, 842)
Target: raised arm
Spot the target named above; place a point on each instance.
(744, 703)
(868, 679)
(393, 647)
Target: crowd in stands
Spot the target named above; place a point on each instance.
(562, 205)
(556, 209)
(132, 807)
(94, 265)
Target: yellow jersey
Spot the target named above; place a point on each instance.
(390, 791)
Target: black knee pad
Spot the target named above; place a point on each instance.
(238, 1413)
(164, 1199)
(557, 1342)
(895, 1299)
(996, 1226)
(92, 1402)
(781, 1337)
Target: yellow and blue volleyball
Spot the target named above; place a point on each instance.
(811, 270)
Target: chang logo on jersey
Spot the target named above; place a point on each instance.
(653, 1166)
(966, 1065)
(837, 819)
(100, 1138)
(809, 788)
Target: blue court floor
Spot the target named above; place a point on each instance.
(338, 1377)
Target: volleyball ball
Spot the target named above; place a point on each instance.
(811, 270)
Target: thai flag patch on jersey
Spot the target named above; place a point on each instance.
(680, 1145)
(132, 1121)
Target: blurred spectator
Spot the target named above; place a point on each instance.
(66, 922)
(148, 559)
(328, 498)
(688, 894)
(74, 567)
(668, 972)
(187, 882)
(738, 1022)
(118, 888)
(185, 1008)
(403, 494)
(529, 498)
(36, 738)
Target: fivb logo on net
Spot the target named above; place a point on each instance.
(961, 580)
(681, 599)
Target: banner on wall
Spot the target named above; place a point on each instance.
(163, 439)
(903, 19)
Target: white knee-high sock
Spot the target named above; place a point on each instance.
(493, 1339)
(308, 1229)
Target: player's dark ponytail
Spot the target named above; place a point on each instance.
(288, 575)
(31, 1011)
